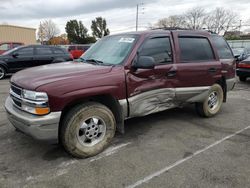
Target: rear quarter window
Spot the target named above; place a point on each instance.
(222, 47)
(195, 49)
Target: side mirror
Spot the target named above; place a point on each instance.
(144, 62)
(15, 54)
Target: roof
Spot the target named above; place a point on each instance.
(14, 26)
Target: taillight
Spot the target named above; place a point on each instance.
(243, 65)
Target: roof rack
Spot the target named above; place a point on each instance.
(170, 28)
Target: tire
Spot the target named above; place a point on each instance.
(80, 125)
(213, 102)
(2, 72)
(242, 78)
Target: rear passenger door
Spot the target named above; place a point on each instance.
(197, 68)
(43, 55)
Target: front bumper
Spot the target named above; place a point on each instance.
(43, 128)
(230, 83)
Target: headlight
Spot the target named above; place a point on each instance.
(35, 96)
(35, 102)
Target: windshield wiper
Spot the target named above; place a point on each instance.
(94, 60)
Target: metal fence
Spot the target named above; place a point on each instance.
(240, 44)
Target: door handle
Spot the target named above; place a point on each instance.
(171, 73)
(212, 70)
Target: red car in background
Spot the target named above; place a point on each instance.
(5, 46)
(77, 50)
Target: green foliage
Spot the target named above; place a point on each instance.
(99, 27)
(78, 33)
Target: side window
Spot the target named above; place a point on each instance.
(80, 48)
(25, 51)
(159, 49)
(195, 49)
(71, 48)
(222, 47)
(58, 51)
(4, 47)
(43, 51)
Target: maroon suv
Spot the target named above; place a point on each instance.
(81, 104)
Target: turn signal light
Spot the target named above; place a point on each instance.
(42, 111)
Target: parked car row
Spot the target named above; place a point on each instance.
(23, 57)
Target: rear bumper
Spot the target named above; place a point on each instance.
(243, 72)
(43, 128)
(230, 83)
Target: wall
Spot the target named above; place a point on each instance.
(9, 33)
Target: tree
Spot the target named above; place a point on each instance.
(78, 33)
(58, 41)
(175, 21)
(221, 20)
(195, 18)
(99, 27)
(47, 30)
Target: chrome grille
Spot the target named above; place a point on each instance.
(16, 90)
(15, 94)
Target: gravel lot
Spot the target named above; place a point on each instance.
(174, 148)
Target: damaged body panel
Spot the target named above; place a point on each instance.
(157, 100)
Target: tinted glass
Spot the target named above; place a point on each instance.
(195, 49)
(58, 51)
(43, 51)
(222, 47)
(158, 48)
(71, 47)
(25, 51)
(80, 48)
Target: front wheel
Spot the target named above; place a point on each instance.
(87, 129)
(213, 102)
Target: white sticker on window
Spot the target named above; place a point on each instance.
(127, 40)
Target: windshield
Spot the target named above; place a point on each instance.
(110, 50)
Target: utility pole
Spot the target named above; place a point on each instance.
(136, 21)
(137, 15)
(240, 26)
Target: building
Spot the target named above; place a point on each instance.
(11, 33)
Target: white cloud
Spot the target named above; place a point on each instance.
(120, 14)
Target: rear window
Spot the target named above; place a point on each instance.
(222, 47)
(195, 49)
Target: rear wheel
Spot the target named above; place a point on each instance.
(2, 72)
(212, 103)
(243, 78)
(87, 129)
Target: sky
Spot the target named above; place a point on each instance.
(119, 14)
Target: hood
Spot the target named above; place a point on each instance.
(33, 78)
